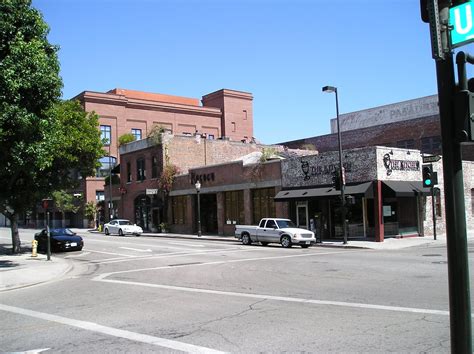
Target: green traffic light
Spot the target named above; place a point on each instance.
(428, 182)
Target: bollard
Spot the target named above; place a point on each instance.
(34, 248)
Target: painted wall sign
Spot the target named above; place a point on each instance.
(318, 170)
(399, 165)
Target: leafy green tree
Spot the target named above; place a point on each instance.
(65, 202)
(43, 140)
(90, 211)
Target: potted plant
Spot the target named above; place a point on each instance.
(163, 227)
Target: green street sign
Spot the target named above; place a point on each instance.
(460, 20)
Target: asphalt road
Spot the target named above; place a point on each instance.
(144, 294)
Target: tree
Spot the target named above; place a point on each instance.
(64, 202)
(90, 211)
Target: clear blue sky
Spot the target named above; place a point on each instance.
(283, 52)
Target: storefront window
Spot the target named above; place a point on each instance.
(234, 206)
(179, 210)
(263, 204)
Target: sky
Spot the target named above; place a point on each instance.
(282, 51)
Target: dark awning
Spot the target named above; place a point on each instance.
(302, 194)
(116, 169)
(407, 188)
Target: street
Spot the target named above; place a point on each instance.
(144, 294)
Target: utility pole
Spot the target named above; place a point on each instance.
(456, 236)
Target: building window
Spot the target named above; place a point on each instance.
(233, 126)
(406, 144)
(234, 206)
(106, 134)
(129, 172)
(154, 167)
(141, 169)
(263, 204)
(179, 210)
(137, 133)
(99, 196)
(245, 114)
(210, 136)
(431, 144)
(107, 163)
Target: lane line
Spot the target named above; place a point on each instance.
(114, 254)
(136, 249)
(115, 332)
(104, 275)
(282, 298)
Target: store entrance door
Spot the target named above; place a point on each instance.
(302, 215)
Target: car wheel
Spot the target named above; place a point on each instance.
(106, 231)
(137, 235)
(246, 239)
(264, 243)
(120, 232)
(304, 246)
(286, 241)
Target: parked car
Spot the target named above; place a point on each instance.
(274, 230)
(62, 239)
(122, 227)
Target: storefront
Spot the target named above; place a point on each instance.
(384, 193)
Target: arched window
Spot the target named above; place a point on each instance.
(107, 163)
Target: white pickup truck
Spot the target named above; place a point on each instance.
(273, 230)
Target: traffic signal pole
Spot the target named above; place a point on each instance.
(456, 236)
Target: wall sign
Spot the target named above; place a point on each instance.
(204, 177)
(318, 170)
(399, 165)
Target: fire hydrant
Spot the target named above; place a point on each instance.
(34, 248)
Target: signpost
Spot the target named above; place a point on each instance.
(460, 20)
(431, 158)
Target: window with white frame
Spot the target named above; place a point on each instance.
(106, 134)
(137, 133)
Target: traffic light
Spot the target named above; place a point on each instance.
(464, 112)
(430, 178)
(336, 179)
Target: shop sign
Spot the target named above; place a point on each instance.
(151, 191)
(399, 165)
(203, 177)
(319, 170)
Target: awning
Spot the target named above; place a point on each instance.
(301, 194)
(407, 188)
(116, 169)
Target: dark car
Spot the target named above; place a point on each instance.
(62, 239)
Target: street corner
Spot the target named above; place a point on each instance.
(23, 270)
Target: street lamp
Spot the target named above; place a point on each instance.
(331, 89)
(198, 189)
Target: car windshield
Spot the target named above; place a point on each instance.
(282, 224)
(61, 232)
(124, 222)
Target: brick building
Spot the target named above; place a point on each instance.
(218, 165)
(412, 124)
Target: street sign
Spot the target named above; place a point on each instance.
(460, 20)
(151, 191)
(432, 158)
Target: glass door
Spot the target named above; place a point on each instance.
(302, 215)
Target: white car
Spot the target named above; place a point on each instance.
(122, 227)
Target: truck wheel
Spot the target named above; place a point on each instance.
(246, 239)
(286, 241)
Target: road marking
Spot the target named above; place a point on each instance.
(186, 244)
(32, 351)
(104, 275)
(136, 249)
(115, 254)
(120, 333)
(281, 298)
(78, 255)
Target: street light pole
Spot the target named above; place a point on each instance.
(198, 189)
(342, 183)
(110, 185)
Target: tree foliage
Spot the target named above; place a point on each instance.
(125, 139)
(46, 143)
